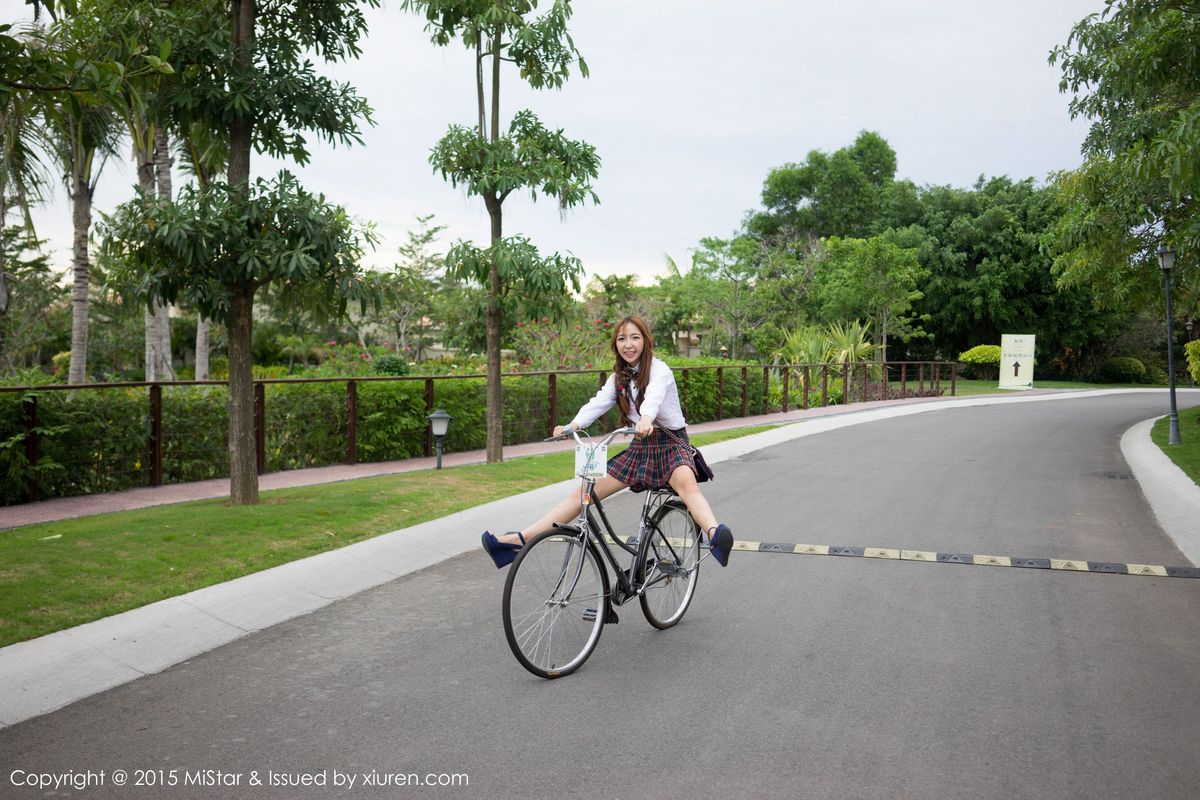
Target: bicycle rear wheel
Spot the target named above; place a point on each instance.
(671, 567)
(555, 603)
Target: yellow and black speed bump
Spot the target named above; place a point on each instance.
(1070, 565)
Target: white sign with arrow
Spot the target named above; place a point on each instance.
(1016, 361)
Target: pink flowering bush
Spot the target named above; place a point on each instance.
(545, 345)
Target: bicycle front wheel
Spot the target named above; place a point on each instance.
(555, 602)
(671, 566)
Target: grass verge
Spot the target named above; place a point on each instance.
(62, 574)
(1186, 454)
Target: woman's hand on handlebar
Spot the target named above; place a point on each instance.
(560, 431)
(644, 427)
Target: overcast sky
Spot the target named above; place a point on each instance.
(690, 104)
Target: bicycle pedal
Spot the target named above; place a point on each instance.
(667, 567)
(589, 615)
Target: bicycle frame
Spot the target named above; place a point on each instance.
(588, 528)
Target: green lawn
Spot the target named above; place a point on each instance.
(62, 574)
(1186, 454)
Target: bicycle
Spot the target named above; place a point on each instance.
(558, 595)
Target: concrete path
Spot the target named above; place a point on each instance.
(47, 673)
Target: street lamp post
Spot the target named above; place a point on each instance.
(440, 422)
(1166, 260)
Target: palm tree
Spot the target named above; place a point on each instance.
(850, 344)
(23, 175)
(804, 345)
(83, 137)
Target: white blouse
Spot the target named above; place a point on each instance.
(661, 403)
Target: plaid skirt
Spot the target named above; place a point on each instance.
(648, 463)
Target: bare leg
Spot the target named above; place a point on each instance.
(565, 511)
(683, 481)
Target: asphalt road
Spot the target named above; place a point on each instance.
(791, 676)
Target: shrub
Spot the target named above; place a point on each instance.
(268, 372)
(90, 441)
(195, 433)
(389, 364)
(1192, 351)
(305, 425)
(61, 363)
(982, 362)
(1121, 369)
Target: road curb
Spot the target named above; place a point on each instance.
(1173, 496)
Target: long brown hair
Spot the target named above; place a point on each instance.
(622, 372)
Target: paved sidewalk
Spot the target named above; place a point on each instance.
(68, 507)
(43, 674)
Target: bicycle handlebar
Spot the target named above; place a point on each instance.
(626, 431)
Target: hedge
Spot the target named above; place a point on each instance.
(1122, 369)
(99, 440)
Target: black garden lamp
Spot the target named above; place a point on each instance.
(1188, 325)
(1166, 260)
(439, 421)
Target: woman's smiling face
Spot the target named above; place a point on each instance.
(630, 343)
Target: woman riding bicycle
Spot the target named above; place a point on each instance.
(644, 389)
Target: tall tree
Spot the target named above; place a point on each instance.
(84, 137)
(141, 109)
(492, 165)
(610, 297)
(23, 178)
(412, 283)
(255, 78)
(873, 278)
(845, 193)
(158, 317)
(725, 272)
(991, 274)
(1134, 70)
(31, 297)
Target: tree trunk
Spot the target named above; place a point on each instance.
(162, 312)
(143, 159)
(241, 128)
(883, 324)
(243, 459)
(3, 222)
(495, 390)
(202, 326)
(81, 217)
(243, 463)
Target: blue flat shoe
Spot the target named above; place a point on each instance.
(502, 553)
(721, 544)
